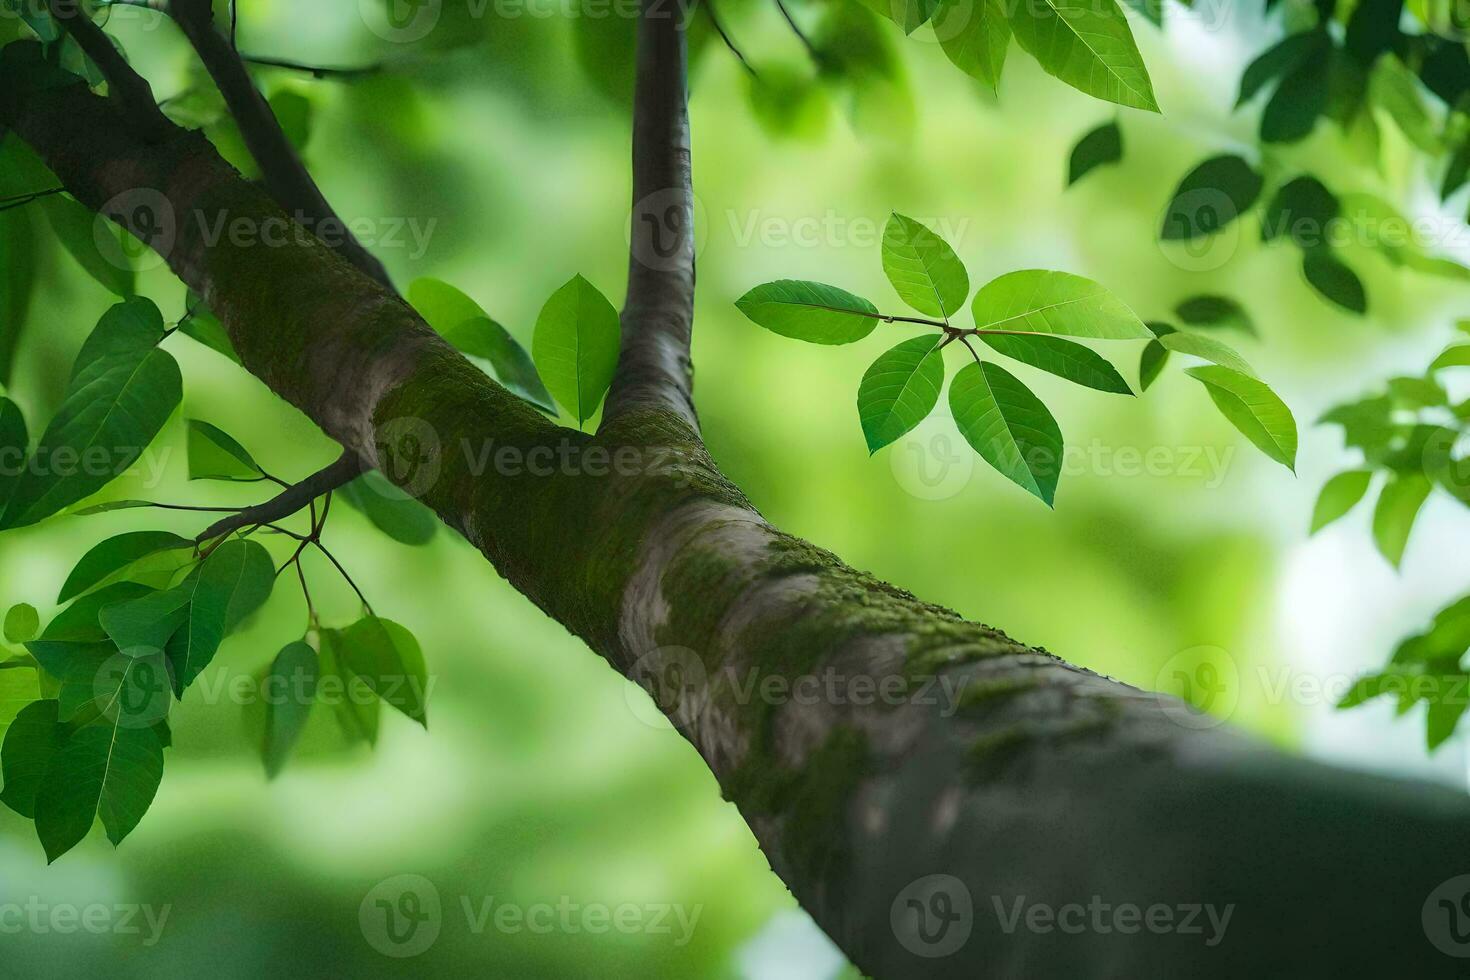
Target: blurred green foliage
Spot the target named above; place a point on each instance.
(543, 776)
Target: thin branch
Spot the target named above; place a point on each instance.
(347, 468)
(654, 369)
(913, 319)
(315, 71)
(21, 200)
(286, 177)
(123, 83)
(811, 48)
(714, 19)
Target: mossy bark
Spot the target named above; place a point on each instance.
(1012, 773)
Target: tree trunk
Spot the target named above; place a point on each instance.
(942, 773)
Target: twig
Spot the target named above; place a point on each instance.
(286, 177)
(654, 369)
(123, 83)
(316, 71)
(714, 19)
(21, 200)
(290, 500)
(811, 48)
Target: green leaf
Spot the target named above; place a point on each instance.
(924, 270)
(1366, 424)
(1254, 409)
(1087, 45)
(80, 622)
(1209, 197)
(1277, 60)
(111, 505)
(20, 684)
(31, 742)
(900, 389)
(202, 325)
(289, 690)
(101, 771)
(1457, 173)
(974, 36)
(1453, 356)
(21, 623)
(144, 625)
(461, 321)
(1372, 29)
(1008, 426)
(388, 658)
(1395, 89)
(1101, 146)
(1211, 312)
(1445, 641)
(391, 510)
(293, 110)
(1339, 495)
(231, 583)
(810, 311)
(1151, 363)
(36, 15)
(215, 455)
(352, 699)
(1063, 358)
(18, 261)
(115, 554)
(14, 441)
(1304, 209)
(909, 15)
(1199, 345)
(442, 306)
(1334, 281)
(1038, 301)
(1301, 98)
(576, 346)
(1445, 710)
(1398, 507)
(121, 392)
(93, 241)
(484, 338)
(1416, 393)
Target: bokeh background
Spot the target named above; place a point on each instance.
(543, 776)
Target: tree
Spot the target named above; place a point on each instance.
(882, 818)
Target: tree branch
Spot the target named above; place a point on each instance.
(654, 369)
(983, 772)
(123, 83)
(316, 71)
(347, 468)
(285, 175)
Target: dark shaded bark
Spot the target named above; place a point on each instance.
(286, 177)
(1032, 779)
(654, 368)
(293, 498)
